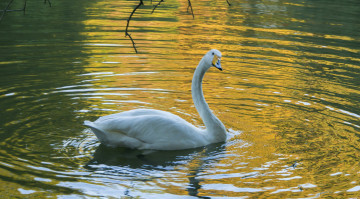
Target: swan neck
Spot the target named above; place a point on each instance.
(212, 123)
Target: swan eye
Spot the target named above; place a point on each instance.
(216, 62)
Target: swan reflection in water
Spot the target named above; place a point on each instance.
(127, 162)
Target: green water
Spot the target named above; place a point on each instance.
(288, 95)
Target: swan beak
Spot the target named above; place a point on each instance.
(216, 62)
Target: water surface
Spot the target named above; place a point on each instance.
(288, 96)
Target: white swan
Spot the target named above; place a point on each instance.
(160, 130)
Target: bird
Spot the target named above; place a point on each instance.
(151, 129)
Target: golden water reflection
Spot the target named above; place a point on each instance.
(288, 96)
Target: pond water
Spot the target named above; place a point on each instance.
(289, 96)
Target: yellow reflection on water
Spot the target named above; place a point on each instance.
(293, 142)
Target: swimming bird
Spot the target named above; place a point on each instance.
(160, 130)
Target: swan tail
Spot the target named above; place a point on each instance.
(99, 133)
(114, 139)
(88, 123)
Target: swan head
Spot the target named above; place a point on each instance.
(213, 58)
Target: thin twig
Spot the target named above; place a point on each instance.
(23, 9)
(12, 10)
(132, 43)
(155, 6)
(189, 5)
(128, 22)
(6, 9)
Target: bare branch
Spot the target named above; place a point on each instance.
(189, 6)
(128, 22)
(6, 9)
(155, 6)
(189, 10)
(24, 6)
(227, 1)
(132, 43)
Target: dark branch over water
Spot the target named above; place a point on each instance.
(7, 9)
(154, 7)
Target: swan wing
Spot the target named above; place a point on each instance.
(147, 129)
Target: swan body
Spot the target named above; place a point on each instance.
(160, 130)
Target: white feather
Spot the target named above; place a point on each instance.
(160, 130)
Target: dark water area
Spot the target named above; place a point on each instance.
(288, 96)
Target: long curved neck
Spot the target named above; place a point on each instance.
(212, 123)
